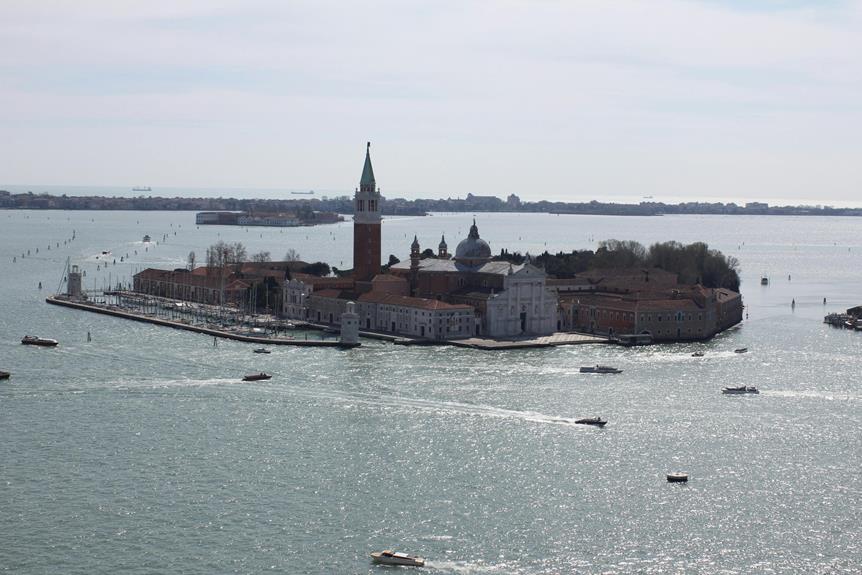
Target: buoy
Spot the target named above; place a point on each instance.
(40, 285)
(89, 338)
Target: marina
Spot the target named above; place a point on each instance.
(177, 321)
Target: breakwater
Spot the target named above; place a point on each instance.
(85, 306)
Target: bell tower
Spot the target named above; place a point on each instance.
(366, 224)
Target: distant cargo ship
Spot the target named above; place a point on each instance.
(308, 193)
(143, 189)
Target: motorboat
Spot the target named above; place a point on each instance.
(739, 390)
(147, 239)
(764, 281)
(262, 350)
(740, 350)
(677, 477)
(41, 341)
(256, 376)
(397, 558)
(5, 375)
(697, 354)
(597, 421)
(600, 369)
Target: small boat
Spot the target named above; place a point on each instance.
(5, 375)
(598, 421)
(147, 239)
(397, 558)
(740, 350)
(262, 350)
(697, 354)
(42, 341)
(600, 369)
(739, 390)
(677, 477)
(256, 376)
(764, 281)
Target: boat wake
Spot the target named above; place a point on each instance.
(814, 395)
(467, 567)
(431, 406)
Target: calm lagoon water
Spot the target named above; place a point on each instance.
(141, 452)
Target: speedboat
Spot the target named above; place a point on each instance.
(256, 376)
(598, 421)
(42, 341)
(739, 390)
(262, 350)
(5, 375)
(397, 558)
(740, 350)
(600, 369)
(697, 354)
(677, 477)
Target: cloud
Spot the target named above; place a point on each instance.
(538, 98)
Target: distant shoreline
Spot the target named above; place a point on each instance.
(404, 207)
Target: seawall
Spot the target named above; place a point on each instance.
(198, 329)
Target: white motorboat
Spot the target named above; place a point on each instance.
(742, 389)
(397, 558)
(600, 369)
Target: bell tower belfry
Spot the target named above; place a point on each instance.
(366, 224)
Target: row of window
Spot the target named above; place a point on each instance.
(627, 316)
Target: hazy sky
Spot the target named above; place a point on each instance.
(752, 99)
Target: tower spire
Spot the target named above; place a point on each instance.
(367, 182)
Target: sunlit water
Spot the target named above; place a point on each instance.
(141, 451)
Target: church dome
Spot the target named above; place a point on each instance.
(473, 249)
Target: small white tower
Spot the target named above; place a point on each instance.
(350, 325)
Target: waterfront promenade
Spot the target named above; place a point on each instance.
(553, 340)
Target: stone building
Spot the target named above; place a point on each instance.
(619, 304)
(509, 299)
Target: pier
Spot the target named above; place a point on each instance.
(553, 340)
(197, 328)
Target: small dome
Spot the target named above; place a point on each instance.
(473, 250)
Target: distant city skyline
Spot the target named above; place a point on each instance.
(614, 101)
